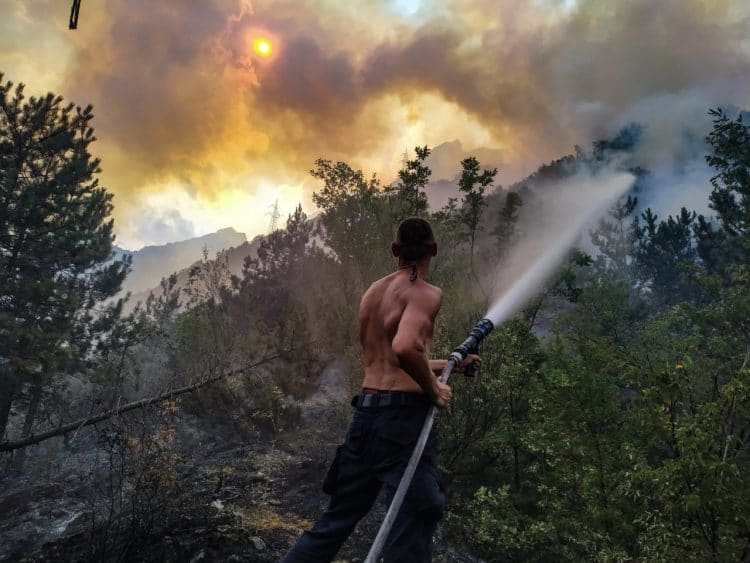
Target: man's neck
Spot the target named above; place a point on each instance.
(422, 267)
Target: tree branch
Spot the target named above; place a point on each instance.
(11, 445)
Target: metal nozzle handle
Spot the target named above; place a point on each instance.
(471, 344)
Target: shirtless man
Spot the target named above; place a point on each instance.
(396, 323)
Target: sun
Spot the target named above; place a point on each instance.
(262, 46)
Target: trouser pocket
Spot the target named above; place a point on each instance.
(350, 464)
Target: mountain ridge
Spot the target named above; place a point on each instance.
(154, 262)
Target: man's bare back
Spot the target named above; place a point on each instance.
(396, 324)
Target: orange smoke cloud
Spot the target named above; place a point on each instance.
(184, 97)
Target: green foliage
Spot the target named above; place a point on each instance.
(410, 189)
(630, 449)
(354, 217)
(55, 243)
(473, 185)
(665, 257)
(484, 422)
(633, 437)
(492, 515)
(730, 198)
(505, 229)
(614, 238)
(273, 283)
(729, 242)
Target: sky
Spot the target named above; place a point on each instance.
(198, 129)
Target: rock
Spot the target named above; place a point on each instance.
(257, 477)
(200, 556)
(258, 543)
(218, 505)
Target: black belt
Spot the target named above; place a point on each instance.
(378, 398)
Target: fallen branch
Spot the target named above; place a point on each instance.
(11, 445)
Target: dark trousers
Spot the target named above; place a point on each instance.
(375, 453)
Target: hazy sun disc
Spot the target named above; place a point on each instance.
(262, 47)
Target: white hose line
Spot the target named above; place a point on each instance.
(403, 486)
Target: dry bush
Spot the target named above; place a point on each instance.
(133, 479)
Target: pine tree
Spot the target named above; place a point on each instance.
(274, 282)
(664, 257)
(55, 246)
(728, 242)
(614, 238)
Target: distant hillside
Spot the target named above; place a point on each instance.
(152, 263)
(236, 259)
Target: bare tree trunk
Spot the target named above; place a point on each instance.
(6, 401)
(28, 423)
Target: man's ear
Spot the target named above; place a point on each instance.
(395, 250)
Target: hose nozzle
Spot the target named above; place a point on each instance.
(471, 344)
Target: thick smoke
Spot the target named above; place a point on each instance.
(182, 102)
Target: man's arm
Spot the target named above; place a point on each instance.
(437, 366)
(410, 344)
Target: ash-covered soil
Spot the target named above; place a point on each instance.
(242, 501)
